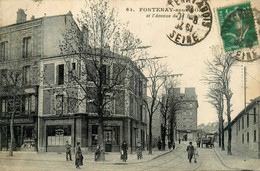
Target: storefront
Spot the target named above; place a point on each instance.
(25, 134)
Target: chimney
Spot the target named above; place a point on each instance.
(33, 17)
(21, 16)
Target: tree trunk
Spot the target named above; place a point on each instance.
(222, 134)
(12, 134)
(219, 134)
(150, 135)
(229, 127)
(101, 139)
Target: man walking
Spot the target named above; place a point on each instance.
(190, 150)
(68, 152)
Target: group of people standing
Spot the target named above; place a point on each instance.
(78, 154)
(79, 157)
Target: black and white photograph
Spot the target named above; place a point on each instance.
(129, 85)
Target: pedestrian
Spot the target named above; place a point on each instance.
(173, 145)
(169, 144)
(97, 153)
(190, 150)
(196, 155)
(124, 151)
(159, 144)
(139, 151)
(68, 151)
(78, 156)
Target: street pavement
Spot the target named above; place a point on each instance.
(209, 159)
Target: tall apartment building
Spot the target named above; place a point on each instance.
(186, 114)
(20, 48)
(56, 118)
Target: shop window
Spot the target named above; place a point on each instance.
(116, 135)
(59, 104)
(3, 51)
(94, 134)
(254, 115)
(58, 135)
(247, 137)
(254, 135)
(27, 47)
(60, 74)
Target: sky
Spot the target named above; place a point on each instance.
(186, 60)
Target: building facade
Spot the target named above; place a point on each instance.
(50, 115)
(20, 49)
(245, 130)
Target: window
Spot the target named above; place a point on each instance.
(3, 76)
(254, 135)
(26, 75)
(239, 125)
(28, 104)
(247, 120)
(94, 134)
(242, 122)
(59, 104)
(140, 87)
(254, 115)
(60, 74)
(3, 107)
(3, 51)
(141, 113)
(27, 47)
(105, 74)
(247, 137)
(243, 138)
(73, 67)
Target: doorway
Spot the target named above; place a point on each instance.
(108, 140)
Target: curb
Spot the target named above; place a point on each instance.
(222, 161)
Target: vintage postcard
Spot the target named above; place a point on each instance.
(129, 85)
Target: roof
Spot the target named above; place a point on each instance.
(242, 112)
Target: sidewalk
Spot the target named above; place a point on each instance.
(237, 160)
(110, 158)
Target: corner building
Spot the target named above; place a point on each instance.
(51, 117)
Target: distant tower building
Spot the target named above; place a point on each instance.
(184, 109)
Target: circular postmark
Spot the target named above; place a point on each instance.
(192, 21)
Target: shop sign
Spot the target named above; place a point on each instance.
(59, 132)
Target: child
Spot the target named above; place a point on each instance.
(196, 155)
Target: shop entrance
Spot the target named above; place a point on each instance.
(108, 140)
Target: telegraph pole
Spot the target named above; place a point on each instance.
(245, 88)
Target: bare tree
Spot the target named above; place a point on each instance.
(219, 73)
(216, 99)
(12, 89)
(156, 75)
(165, 104)
(104, 50)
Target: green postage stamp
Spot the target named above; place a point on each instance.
(237, 27)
